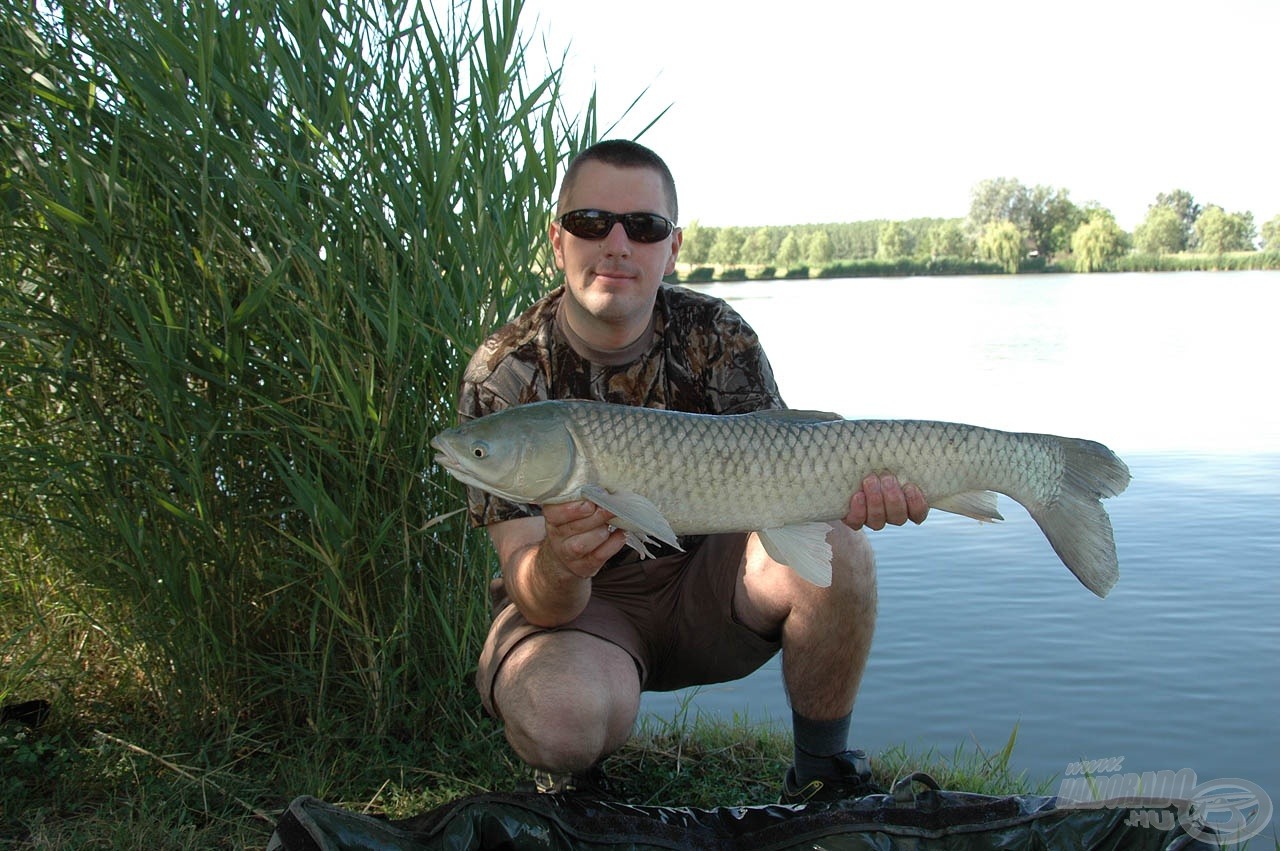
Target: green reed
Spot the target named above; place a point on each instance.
(246, 250)
(1237, 261)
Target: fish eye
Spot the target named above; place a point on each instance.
(480, 450)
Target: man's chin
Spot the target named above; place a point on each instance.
(613, 303)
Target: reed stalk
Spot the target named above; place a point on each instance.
(246, 250)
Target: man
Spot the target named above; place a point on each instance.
(582, 626)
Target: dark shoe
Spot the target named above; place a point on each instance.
(851, 778)
(591, 783)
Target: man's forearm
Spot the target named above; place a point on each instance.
(544, 590)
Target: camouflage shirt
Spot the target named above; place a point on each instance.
(699, 356)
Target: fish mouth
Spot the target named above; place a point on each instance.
(453, 468)
(446, 458)
(442, 451)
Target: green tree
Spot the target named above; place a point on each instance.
(1271, 235)
(947, 240)
(1002, 243)
(789, 251)
(1188, 211)
(892, 243)
(1000, 199)
(1161, 232)
(697, 243)
(1051, 220)
(817, 248)
(1046, 216)
(727, 249)
(758, 249)
(1097, 242)
(853, 240)
(1218, 231)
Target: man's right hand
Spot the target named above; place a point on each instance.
(579, 538)
(548, 561)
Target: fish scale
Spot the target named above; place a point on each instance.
(784, 473)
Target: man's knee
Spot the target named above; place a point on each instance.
(570, 736)
(567, 699)
(853, 557)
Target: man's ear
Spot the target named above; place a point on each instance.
(677, 239)
(556, 234)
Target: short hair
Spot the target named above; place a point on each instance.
(621, 153)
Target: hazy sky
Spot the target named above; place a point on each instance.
(817, 111)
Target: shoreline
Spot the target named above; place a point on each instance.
(688, 273)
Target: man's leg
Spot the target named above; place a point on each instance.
(567, 699)
(826, 637)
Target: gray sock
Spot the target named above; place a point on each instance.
(816, 742)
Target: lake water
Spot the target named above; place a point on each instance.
(981, 628)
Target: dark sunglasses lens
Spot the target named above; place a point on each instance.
(596, 224)
(646, 227)
(588, 224)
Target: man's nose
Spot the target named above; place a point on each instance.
(616, 240)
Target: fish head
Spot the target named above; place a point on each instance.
(525, 454)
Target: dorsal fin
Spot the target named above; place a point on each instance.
(793, 416)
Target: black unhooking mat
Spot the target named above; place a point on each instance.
(929, 820)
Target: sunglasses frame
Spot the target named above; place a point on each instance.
(630, 224)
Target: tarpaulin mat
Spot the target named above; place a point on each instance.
(933, 820)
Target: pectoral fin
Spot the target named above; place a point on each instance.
(980, 505)
(637, 515)
(803, 547)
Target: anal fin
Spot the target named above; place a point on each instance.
(980, 505)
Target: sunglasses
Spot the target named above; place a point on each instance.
(596, 224)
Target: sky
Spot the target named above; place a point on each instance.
(844, 110)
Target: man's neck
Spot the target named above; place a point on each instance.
(605, 343)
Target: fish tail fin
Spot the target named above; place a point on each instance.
(1074, 520)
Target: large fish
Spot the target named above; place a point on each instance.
(784, 474)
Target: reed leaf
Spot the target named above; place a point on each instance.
(247, 249)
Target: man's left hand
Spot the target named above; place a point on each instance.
(884, 502)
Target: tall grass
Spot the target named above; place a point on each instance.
(246, 249)
(1188, 262)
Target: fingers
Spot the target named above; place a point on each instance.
(882, 501)
(571, 518)
(580, 538)
(917, 505)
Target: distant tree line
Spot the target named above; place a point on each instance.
(787, 246)
(1009, 226)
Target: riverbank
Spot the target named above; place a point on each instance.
(948, 266)
(114, 782)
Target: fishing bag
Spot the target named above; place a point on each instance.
(927, 819)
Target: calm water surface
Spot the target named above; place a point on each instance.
(981, 628)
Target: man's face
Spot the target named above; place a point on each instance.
(613, 280)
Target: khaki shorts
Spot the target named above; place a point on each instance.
(673, 615)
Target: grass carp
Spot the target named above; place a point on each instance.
(784, 474)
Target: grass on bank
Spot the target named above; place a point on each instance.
(72, 785)
(113, 767)
(116, 782)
